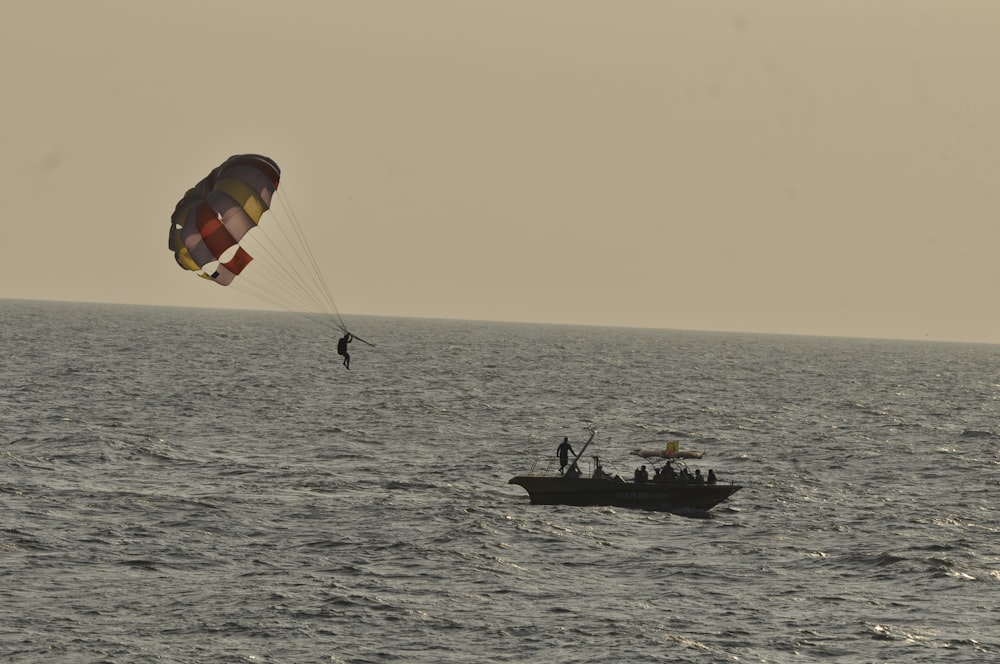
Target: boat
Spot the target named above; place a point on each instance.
(663, 493)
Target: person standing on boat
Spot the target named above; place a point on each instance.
(342, 348)
(563, 452)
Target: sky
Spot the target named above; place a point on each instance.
(811, 168)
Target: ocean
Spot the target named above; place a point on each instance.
(199, 486)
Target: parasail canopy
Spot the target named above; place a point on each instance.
(215, 214)
(210, 234)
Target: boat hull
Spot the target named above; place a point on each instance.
(662, 496)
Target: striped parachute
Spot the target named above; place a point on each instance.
(215, 214)
(210, 234)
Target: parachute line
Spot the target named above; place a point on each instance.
(288, 274)
(314, 271)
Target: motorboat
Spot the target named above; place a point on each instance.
(673, 488)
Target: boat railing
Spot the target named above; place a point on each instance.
(548, 467)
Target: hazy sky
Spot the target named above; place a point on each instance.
(825, 168)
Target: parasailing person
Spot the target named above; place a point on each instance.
(342, 348)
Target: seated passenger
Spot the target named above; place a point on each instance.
(712, 479)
